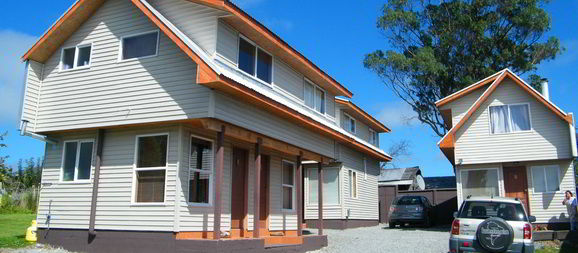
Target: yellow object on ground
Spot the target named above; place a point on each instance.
(31, 232)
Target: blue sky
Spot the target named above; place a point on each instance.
(335, 35)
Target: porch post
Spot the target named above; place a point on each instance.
(299, 196)
(320, 197)
(257, 190)
(219, 163)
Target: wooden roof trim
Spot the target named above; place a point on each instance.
(465, 91)
(230, 86)
(374, 122)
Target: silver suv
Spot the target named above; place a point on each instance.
(491, 224)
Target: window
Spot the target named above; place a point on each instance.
(140, 45)
(484, 210)
(252, 58)
(479, 182)
(546, 178)
(150, 170)
(364, 168)
(76, 161)
(330, 186)
(314, 97)
(288, 184)
(200, 170)
(349, 123)
(509, 118)
(352, 184)
(373, 137)
(75, 57)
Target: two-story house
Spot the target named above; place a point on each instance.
(186, 125)
(507, 139)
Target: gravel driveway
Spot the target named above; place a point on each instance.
(382, 239)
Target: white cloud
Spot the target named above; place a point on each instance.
(14, 45)
(396, 114)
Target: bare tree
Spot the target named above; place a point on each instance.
(398, 150)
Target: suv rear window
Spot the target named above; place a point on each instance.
(409, 200)
(484, 210)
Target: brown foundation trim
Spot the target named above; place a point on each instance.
(166, 242)
(342, 224)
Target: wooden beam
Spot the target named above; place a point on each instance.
(219, 162)
(298, 190)
(320, 198)
(96, 180)
(257, 190)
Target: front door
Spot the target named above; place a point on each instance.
(239, 188)
(264, 193)
(516, 184)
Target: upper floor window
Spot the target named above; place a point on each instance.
(372, 137)
(150, 168)
(139, 45)
(200, 171)
(348, 123)
(314, 97)
(510, 118)
(75, 57)
(254, 61)
(76, 161)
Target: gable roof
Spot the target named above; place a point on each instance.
(448, 141)
(363, 116)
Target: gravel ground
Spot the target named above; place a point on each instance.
(39, 248)
(382, 239)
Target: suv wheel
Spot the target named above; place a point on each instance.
(391, 225)
(495, 235)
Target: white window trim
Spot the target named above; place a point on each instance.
(257, 48)
(76, 180)
(349, 121)
(543, 167)
(316, 204)
(510, 119)
(135, 170)
(372, 134)
(287, 185)
(75, 61)
(211, 177)
(120, 59)
(315, 86)
(351, 172)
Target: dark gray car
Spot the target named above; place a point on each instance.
(410, 210)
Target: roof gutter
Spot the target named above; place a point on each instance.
(24, 132)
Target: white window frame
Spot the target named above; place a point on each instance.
(349, 119)
(136, 169)
(351, 195)
(287, 185)
(211, 177)
(76, 180)
(121, 42)
(339, 186)
(498, 171)
(315, 88)
(543, 167)
(510, 131)
(373, 137)
(75, 61)
(257, 48)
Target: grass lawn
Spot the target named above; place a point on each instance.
(13, 230)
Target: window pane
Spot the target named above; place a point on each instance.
(201, 155)
(150, 186)
(287, 173)
(538, 180)
(499, 119)
(199, 187)
(152, 151)
(552, 179)
(480, 183)
(520, 117)
(351, 125)
(330, 186)
(319, 100)
(85, 160)
(83, 56)
(68, 58)
(287, 197)
(139, 46)
(69, 161)
(308, 94)
(353, 183)
(246, 57)
(313, 186)
(264, 66)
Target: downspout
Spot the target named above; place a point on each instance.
(24, 132)
(96, 179)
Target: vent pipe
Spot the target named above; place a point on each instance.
(545, 89)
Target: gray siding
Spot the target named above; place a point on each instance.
(227, 42)
(110, 92)
(288, 79)
(32, 93)
(548, 139)
(361, 129)
(366, 206)
(461, 106)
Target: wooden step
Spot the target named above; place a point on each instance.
(283, 240)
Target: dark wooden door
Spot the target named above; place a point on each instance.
(516, 184)
(264, 194)
(239, 186)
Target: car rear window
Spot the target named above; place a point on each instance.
(409, 200)
(484, 210)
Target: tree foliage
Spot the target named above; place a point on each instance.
(436, 49)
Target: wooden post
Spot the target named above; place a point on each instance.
(96, 179)
(299, 195)
(219, 164)
(257, 190)
(320, 197)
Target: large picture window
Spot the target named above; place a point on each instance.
(76, 161)
(140, 45)
(330, 186)
(509, 118)
(480, 182)
(150, 168)
(200, 171)
(546, 178)
(288, 184)
(255, 61)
